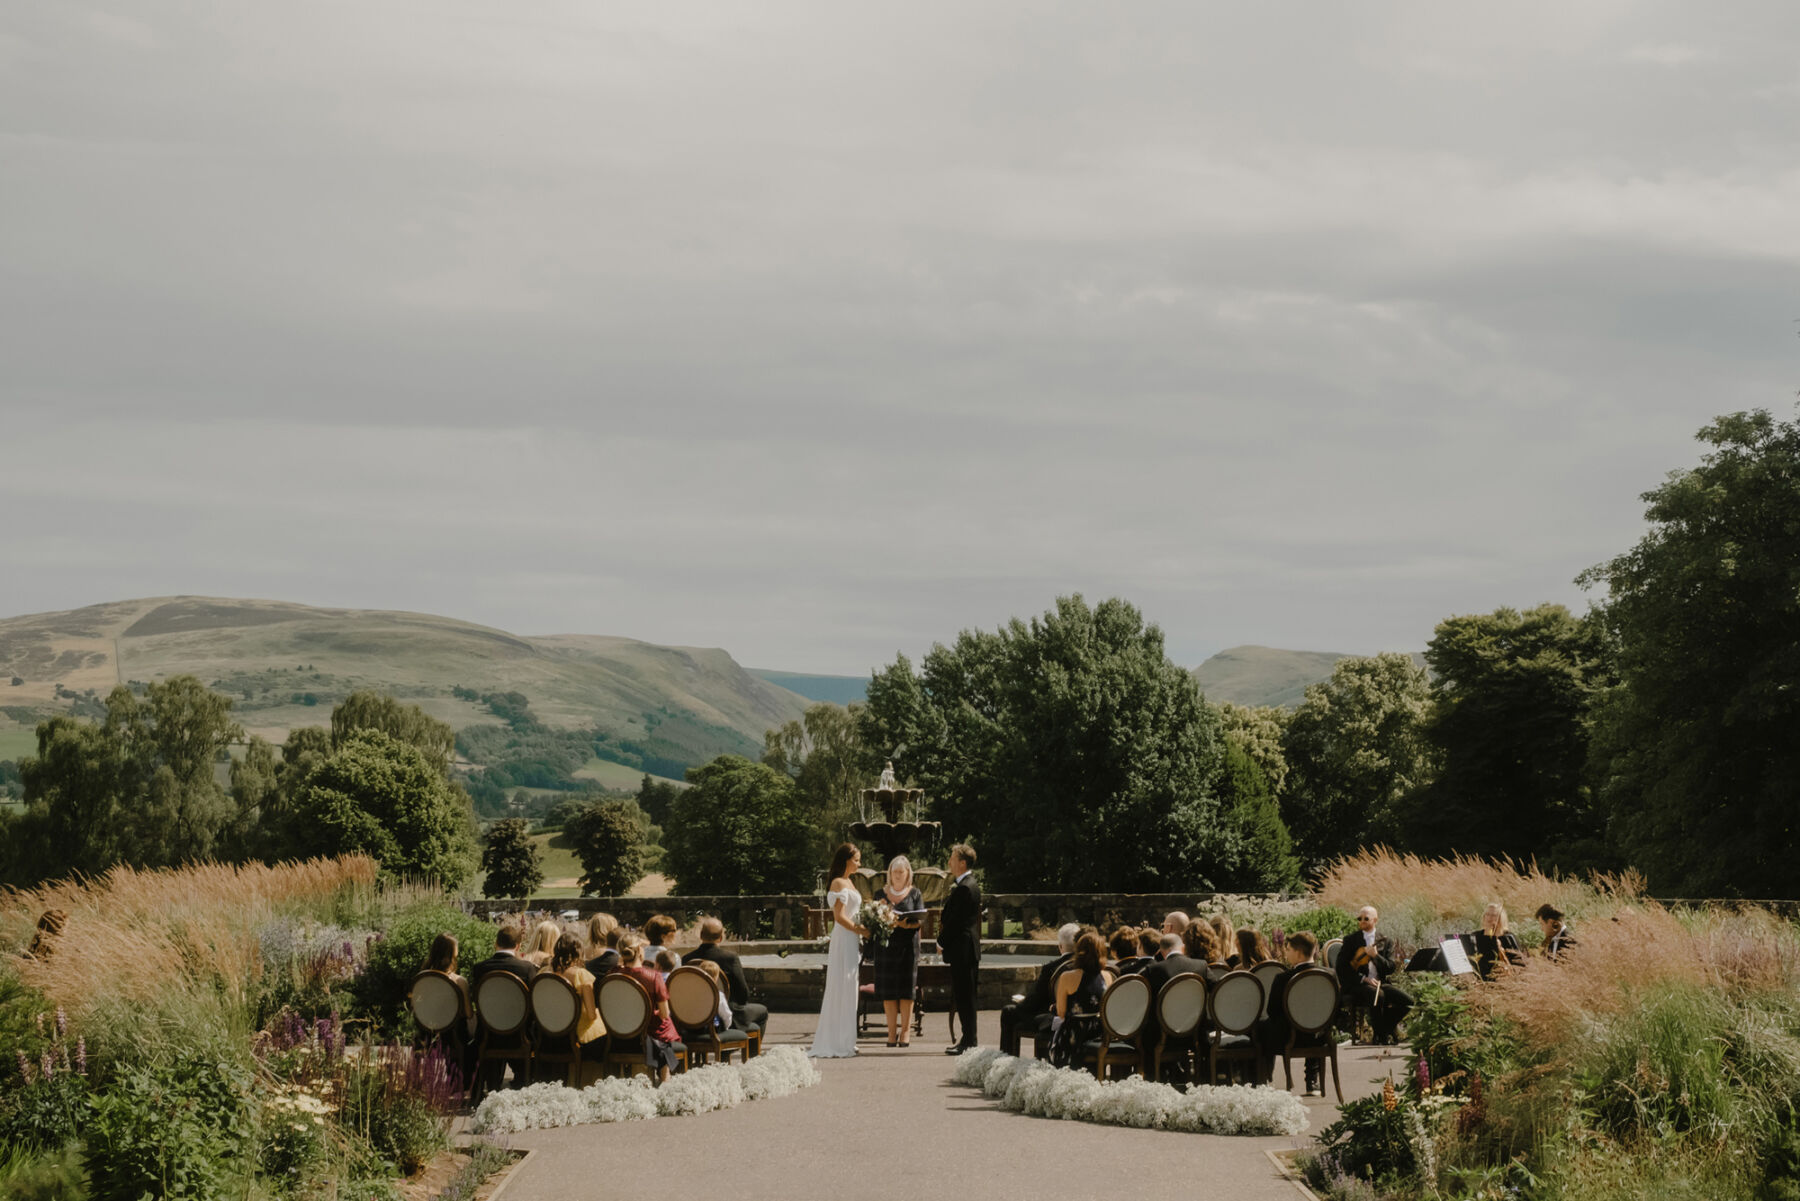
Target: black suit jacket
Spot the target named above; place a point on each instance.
(605, 962)
(500, 961)
(959, 926)
(738, 987)
(1350, 975)
(1039, 1000)
(1171, 966)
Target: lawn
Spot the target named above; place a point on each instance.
(616, 777)
(562, 869)
(16, 742)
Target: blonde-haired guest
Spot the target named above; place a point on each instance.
(897, 961)
(541, 946)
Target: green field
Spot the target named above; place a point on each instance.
(17, 742)
(616, 777)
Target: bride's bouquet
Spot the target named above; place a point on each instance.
(877, 917)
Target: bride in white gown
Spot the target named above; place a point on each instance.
(835, 1037)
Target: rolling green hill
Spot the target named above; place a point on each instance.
(284, 665)
(1262, 675)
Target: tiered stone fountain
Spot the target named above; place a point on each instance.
(889, 821)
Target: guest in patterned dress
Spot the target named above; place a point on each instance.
(897, 961)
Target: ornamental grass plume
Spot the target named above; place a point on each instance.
(148, 934)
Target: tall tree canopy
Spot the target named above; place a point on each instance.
(1697, 745)
(822, 751)
(1069, 749)
(1509, 719)
(739, 829)
(1355, 748)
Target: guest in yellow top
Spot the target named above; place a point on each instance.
(566, 962)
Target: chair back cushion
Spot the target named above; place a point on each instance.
(1237, 1002)
(1267, 971)
(1311, 999)
(1332, 950)
(693, 998)
(554, 1003)
(435, 1000)
(1125, 1005)
(624, 1006)
(1182, 1003)
(500, 1002)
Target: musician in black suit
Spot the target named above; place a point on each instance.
(744, 1012)
(1557, 938)
(1033, 1011)
(959, 938)
(1363, 967)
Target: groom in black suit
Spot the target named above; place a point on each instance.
(959, 938)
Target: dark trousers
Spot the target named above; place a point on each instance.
(1013, 1018)
(745, 1016)
(1386, 1014)
(962, 991)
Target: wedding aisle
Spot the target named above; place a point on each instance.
(890, 1124)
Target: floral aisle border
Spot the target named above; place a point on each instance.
(1032, 1086)
(777, 1072)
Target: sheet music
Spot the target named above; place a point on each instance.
(1456, 960)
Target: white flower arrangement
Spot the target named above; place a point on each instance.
(777, 1072)
(1034, 1087)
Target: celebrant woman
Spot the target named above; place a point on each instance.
(897, 960)
(835, 1035)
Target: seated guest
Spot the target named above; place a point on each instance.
(603, 943)
(1363, 968)
(442, 958)
(1149, 943)
(1167, 945)
(506, 958)
(1190, 957)
(1297, 952)
(1123, 946)
(1252, 948)
(1175, 922)
(1077, 1001)
(667, 961)
(745, 1013)
(542, 944)
(1225, 935)
(660, 1036)
(1496, 948)
(1556, 933)
(566, 962)
(659, 934)
(723, 1019)
(1032, 1012)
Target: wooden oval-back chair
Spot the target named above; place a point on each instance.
(502, 1009)
(1311, 1005)
(556, 1007)
(1235, 1004)
(693, 1006)
(1124, 1007)
(1180, 1008)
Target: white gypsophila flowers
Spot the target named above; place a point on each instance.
(777, 1072)
(1034, 1087)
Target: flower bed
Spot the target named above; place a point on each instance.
(777, 1072)
(1034, 1087)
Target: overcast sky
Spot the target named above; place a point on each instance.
(820, 332)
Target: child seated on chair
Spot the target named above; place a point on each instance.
(717, 976)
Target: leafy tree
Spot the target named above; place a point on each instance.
(823, 753)
(1509, 720)
(609, 841)
(385, 797)
(366, 710)
(512, 861)
(1068, 749)
(656, 797)
(1266, 861)
(1696, 748)
(1355, 748)
(739, 828)
(1257, 730)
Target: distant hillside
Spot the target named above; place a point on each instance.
(1262, 675)
(839, 690)
(284, 665)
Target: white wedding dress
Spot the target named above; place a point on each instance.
(835, 1037)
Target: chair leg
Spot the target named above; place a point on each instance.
(1336, 1082)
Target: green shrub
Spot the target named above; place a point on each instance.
(396, 957)
(27, 1175)
(1369, 1141)
(22, 1026)
(174, 1129)
(399, 1102)
(45, 1114)
(1326, 923)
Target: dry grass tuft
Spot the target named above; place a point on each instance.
(1457, 890)
(138, 935)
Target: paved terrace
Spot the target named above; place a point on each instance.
(889, 1124)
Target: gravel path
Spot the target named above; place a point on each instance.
(889, 1124)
